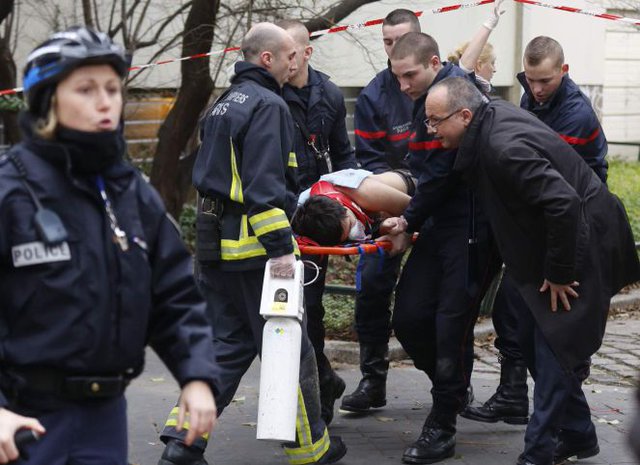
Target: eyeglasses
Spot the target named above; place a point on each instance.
(433, 123)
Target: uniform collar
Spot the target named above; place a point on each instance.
(245, 71)
(552, 102)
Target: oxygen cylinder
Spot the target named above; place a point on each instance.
(279, 374)
(282, 306)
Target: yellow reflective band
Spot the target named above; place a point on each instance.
(308, 452)
(243, 248)
(185, 426)
(267, 221)
(296, 249)
(244, 227)
(293, 161)
(236, 182)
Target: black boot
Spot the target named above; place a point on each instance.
(177, 453)
(575, 445)
(337, 450)
(437, 441)
(372, 389)
(510, 402)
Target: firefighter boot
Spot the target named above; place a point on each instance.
(177, 453)
(371, 391)
(510, 402)
(436, 442)
(336, 451)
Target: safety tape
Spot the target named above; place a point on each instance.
(570, 9)
(374, 22)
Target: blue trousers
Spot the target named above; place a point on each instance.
(91, 433)
(558, 400)
(505, 318)
(373, 301)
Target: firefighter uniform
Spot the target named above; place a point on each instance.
(321, 145)
(245, 175)
(382, 119)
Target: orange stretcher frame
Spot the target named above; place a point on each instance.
(364, 248)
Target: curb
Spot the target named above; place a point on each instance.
(349, 352)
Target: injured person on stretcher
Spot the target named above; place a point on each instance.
(351, 205)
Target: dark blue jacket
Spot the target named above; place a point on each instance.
(570, 114)
(324, 115)
(440, 195)
(246, 159)
(383, 118)
(94, 312)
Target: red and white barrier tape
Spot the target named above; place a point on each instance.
(374, 22)
(570, 9)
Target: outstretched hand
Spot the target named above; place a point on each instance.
(494, 17)
(561, 291)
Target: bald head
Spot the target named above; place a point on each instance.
(449, 108)
(272, 48)
(263, 37)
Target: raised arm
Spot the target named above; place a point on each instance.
(470, 56)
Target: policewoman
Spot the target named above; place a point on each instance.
(91, 268)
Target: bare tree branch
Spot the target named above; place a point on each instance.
(335, 14)
(154, 40)
(86, 12)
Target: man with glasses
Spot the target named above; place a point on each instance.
(441, 285)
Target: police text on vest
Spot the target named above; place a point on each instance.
(35, 253)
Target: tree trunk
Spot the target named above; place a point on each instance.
(193, 95)
(8, 77)
(171, 171)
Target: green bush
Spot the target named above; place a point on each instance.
(624, 181)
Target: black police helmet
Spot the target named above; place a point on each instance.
(54, 59)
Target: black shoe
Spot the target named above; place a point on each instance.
(177, 453)
(369, 394)
(372, 388)
(436, 442)
(582, 450)
(510, 403)
(336, 451)
(331, 389)
(523, 461)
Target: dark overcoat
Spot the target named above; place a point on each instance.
(552, 218)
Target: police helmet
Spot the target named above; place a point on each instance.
(54, 59)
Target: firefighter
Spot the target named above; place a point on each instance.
(245, 174)
(91, 267)
(321, 146)
(383, 117)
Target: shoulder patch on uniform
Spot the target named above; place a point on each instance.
(36, 253)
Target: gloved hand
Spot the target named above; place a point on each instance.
(283, 267)
(494, 17)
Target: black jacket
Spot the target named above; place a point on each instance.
(552, 218)
(324, 116)
(440, 195)
(382, 120)
(94, 311)
(570, 114)
(246, 159)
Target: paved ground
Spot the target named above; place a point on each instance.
(381, 437)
